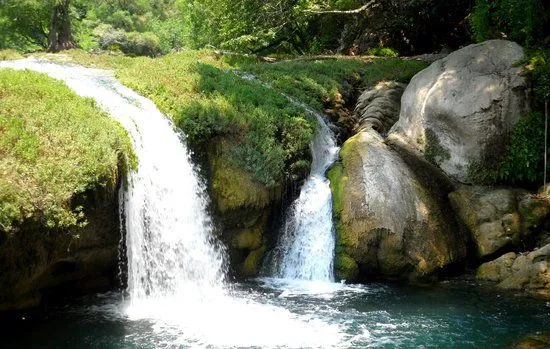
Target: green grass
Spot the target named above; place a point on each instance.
(267, 135)
(53, 145)
(10, 54)
(320, 83)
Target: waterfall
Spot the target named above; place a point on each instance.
(169, 245)
(305, 249)
(177, 294)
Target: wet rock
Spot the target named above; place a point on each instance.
(243, 208)
(529, 272)
(36, 262)
(534, 341)
(459, 111)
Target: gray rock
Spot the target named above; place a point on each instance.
(530, 272)
(379, 107)
(491, 215)
(392, 221)
(460, 109)
(497, 270)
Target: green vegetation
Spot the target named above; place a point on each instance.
(524, 21)
(522, 162)
(320, 82)
(153, 27)
(53, 145)
(266, 135)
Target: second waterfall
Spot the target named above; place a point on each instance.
(305, 250)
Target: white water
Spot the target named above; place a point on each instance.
(305, 249)
(175, 269)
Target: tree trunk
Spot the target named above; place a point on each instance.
(60, 37)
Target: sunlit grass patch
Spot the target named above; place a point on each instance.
(53, 145)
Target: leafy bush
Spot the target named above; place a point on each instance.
(523, 162)
(382, 52)
(523, 21)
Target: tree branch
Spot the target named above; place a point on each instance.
(365, 7)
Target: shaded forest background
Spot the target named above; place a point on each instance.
(283, 27)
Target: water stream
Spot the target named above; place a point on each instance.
(177, 296)
(305, 249)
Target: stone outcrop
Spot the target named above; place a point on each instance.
(37, 262)
(243, 208)
(392, 221)
(379, 107)
(534, 341)
(459, 111)
(491, 215)
(528, 271)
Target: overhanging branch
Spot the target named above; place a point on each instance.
(365, 7)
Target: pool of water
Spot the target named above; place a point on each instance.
(269, 313)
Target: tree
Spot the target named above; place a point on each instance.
(37, 23)
(60, 36)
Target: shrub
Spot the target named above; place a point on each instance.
(523, 21)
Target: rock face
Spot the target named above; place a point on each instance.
(243, 207)
(379, 107)
(529, 271)
(458, 112)
(392, 222)
(491, 215)
(36, 262)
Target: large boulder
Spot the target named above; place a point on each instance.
(459, 111)
(37, 262)
(530, 271)
(392, 222)
(491, 215)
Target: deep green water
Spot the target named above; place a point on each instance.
(451, 315)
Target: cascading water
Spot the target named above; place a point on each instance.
(169, 248)
(175, 269)
(305, 250)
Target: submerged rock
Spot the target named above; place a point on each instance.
(530, 271)
(459, 111)
(534, 341)
(392, 222)
(491, 215)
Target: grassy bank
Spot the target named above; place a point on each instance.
(267, 135)
(53, 145)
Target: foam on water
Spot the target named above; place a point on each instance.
(176, 269)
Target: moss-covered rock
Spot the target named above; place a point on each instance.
(534, 341)
(37, 261)
(243, 208)
(491, 215)
(392, 222)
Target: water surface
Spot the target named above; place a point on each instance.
(273, 313)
